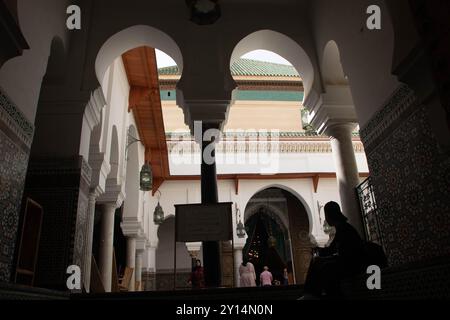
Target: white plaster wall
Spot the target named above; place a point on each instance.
(182, 192)
(21, 77)
(116, 90)
(189, 164)
(366, 55)
(165, 251)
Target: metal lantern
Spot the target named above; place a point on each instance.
(272, 242)
(158, 214)
(146, 178)
(240, 230)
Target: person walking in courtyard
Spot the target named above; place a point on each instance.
(197, 278)
(266, 277)
(285, 277)
(247, 274)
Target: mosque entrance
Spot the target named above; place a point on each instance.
(278, 230)
(266, 246)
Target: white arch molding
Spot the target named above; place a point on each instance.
(133, 203)
(295, 194)
(331, 66)
(134, 37)
(282, 45)
(114, 156)
(253, 209)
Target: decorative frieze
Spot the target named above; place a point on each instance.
(15, 121)
(394, 109)
(282, 147)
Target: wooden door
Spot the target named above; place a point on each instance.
(29, 243)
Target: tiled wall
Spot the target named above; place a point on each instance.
(411, 178)
(61, 187)
(16, 135)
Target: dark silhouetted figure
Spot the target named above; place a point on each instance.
(343, 258)
(197, 278)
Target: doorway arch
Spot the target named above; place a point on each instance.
(273, 215)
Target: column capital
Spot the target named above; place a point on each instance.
(333, 107)
(212, 112)
(113, 195)
(100, 170)
(339, 129)
(132, 228)
(193, 246)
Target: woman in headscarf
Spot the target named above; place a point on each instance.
(247, 274)
(344, 257)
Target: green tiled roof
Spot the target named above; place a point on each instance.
(249, 95)
(247, 67)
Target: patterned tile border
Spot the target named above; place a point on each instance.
(15, 120)
(394, 108)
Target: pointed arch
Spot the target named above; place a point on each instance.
(331, 66)
(282, 45)
(133, 37)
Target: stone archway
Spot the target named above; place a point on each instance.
(287, 48)
(134, 37)
(286, 211)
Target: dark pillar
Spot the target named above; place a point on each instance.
(211, 250)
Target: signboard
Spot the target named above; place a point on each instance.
(203, 222)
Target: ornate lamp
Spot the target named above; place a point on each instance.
(146, 178)
(240, 229)
(272, 242)
(158, 214)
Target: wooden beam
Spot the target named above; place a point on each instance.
(316, 179)
(157, 182)
(137, 94)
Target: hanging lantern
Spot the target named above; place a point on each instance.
(158, 214)
(146, 178)
(240, 230)
(272, 242)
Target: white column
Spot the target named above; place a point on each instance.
(88, 241)
(131, 260)
(237, 263)
(346, 171)
(106, 244)
(150, 267)
(151, 259)
(139, 268)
